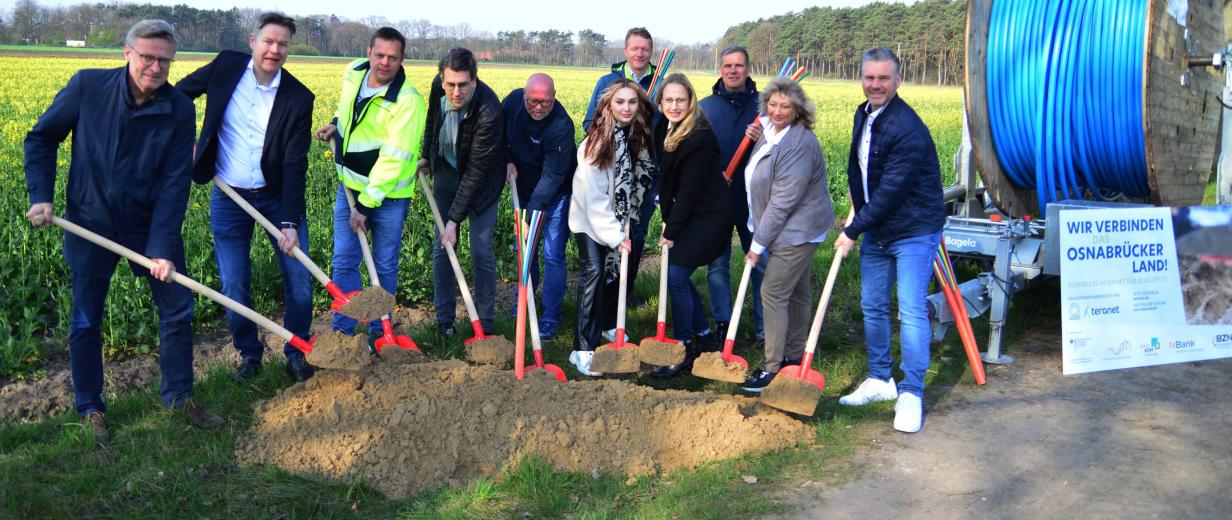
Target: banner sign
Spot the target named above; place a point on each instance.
(1145, 286)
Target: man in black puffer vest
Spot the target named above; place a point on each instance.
(462, 147)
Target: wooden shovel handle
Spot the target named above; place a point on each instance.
(453, 256)
(815, 330)
(363, 242)
(273, 231)
(216, 296)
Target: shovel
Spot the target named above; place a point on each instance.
(797, 388)
(659, 349)
(618, 357)
(388, 338)
(727, 366)
(342, 300)
(481, 348)
(311, 350)
(526, 298)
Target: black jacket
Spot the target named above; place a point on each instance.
(543, 151)
(729, 114)
(129, 174)
(480, 176)
(904, 177)
(693, 196)
(284, 159)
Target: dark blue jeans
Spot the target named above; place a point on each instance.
(385, 233)
(233, 228)
(483, 264)
(688, 313)
(555, 222)
(718, 278)
(908, 264)
(85, 340)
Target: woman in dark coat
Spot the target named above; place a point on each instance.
(695, 201)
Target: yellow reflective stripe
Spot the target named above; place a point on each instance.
(397, 153)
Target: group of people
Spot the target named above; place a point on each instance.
(134, 152)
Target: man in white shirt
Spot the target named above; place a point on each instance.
(255, 138)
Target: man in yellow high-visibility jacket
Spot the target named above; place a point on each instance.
(377, 132)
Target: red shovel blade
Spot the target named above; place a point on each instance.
(395, 340)
(809, 376)
(660, 335)
(477, 329)
(548, 367)
(341, 298)
(303, 346)
(730, 357)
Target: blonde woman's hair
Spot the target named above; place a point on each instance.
(692, 118)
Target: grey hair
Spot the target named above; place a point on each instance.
(152, 28)
(732, 49)
(879, 54)
(806, 113)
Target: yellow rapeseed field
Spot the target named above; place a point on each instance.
(35, 290)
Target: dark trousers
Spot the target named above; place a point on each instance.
(596, 300)
(85, 339)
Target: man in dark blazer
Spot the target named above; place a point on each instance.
(128, 181)
(255, 139)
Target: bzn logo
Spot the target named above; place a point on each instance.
(1222, 341)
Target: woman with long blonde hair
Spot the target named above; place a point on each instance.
(614, 176)
(695, 203)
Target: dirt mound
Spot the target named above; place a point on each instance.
(624, 360)
(1207, 289)
(711, 366)
(408, 428)
(370, 304)
(492, 350)
(660, 353)
(334, 349)
(791, 394)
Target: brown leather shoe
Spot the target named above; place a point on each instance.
(97, 422)
(199, 416)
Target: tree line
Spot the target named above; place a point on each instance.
(928, 36)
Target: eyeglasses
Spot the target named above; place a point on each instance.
(149, 59)
(540, 102)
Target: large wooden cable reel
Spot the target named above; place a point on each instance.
(1180, 116)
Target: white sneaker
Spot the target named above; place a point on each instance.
(581, 359)
(908, 413)
(610, 336)
(870, 391)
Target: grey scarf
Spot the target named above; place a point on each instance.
(447, 140)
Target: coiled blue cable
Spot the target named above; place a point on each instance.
(1064, 80)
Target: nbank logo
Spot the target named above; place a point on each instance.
(1182, 344)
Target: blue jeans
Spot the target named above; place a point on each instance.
(718, 279)
(385, 230)
(85, 340)
(232, 228)
(688, 313)
(555, 237)
(908, 263)
(483, 264)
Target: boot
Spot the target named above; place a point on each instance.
(691, 352)
(708, 342)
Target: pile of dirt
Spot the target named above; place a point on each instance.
(370, 304)
(491, 350)
(660, 353)
(334, 349)
(711, 366)
(624, 360)
(408, 428)
(1207, 289)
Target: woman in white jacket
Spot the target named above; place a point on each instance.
(615, 172)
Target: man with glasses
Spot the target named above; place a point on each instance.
(376, 133)
(128, 181)
(463, 149)
(258, 125)
(541, 158)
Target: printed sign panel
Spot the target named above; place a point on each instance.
(1145, 286)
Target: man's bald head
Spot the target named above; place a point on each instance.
(539, 95)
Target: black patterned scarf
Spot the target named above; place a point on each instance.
(631, 180)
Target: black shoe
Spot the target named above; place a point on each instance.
(97, 422)
(790, 362)
(707, 343)
(690, 354)
(247, 370)
(299, 369)
(720, 328)
(757, 382)
(445, 329)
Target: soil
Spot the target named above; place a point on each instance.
(336, 350)
(710, 365)
(400, 356)
(1148, 442)
(370, 304)
(408, 428)
(491, 350)
(1207, 288)
(624, 360)
(792, 395)
(660, 353)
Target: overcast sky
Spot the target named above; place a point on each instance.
(681, 21)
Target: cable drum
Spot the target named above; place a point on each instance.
(1083, 99)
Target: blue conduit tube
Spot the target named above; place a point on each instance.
(1064, 84)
